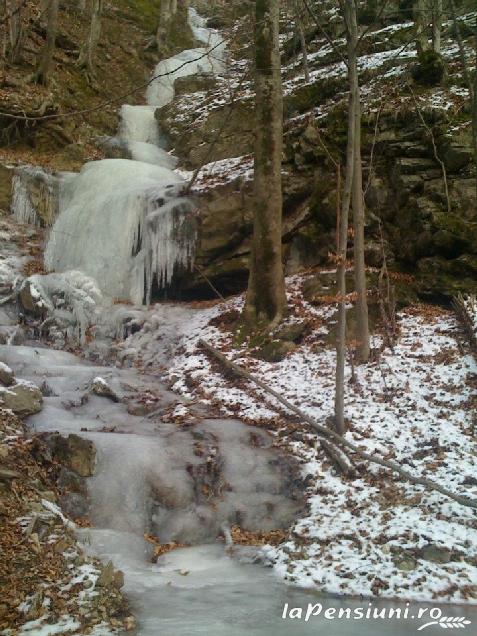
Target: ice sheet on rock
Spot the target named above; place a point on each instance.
(149, 153)
(208, 59)
(71, 299)
(138, 124)
(116, 215)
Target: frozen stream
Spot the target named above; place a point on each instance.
(119, 222)
(142, 484)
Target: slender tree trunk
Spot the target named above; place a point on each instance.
(46, 57)
(14, 28)
(436, 25)
(473, 96)
(343, 212)
(88, 49)
(266, 300)
(301, 35)
(420, 26)
(471, 84)
(357, 190)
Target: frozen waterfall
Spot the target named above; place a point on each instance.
(124, 222)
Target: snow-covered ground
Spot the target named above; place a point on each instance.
(374, 535)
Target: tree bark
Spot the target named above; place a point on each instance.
(420, 26)
(266, 300)
(42, 74)
(343, 212)
(85, 59)
(301, 35)
(14, 27)
(362, 320)
(471, 84)
(436, 25)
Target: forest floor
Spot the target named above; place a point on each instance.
(415, 404)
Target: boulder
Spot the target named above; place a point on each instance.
(110, 577)
(101, 387)
(23, 399)
(74, 505)
(75, 452)
(31, 299)
(6, 375)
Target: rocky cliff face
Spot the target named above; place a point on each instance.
(415, 138)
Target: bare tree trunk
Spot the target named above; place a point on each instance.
(357, 189)
(266, 300)
(85, 59)
(343, 212)
(46, 57)
(473, 96)
(471, 84)
(420, 26)
(436, 25)
(14, 27)
(165, 17)
(301, 35)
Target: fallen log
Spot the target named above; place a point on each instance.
(328, 433)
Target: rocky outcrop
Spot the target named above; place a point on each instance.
(23, 398)
(74, 452)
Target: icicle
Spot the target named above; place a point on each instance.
(34, 196)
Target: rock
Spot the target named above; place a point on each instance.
(6, 375)
(76, 453)
(435, 554)
(5, 189)
(130, 623)
(49, 495)
(36, 606)
(23, 399)
(110, 577)
(101, 387)
(194, 84)
(274, 351)
(405, 562)
(71, 481)
(293, 332)
(8, 475)
(31, 299)
(74, 505)
(455, 156)
(113, 147)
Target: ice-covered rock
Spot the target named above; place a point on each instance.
(71, 300)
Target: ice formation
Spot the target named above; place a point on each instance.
(71, 301)
(138, 124)
(34, 196)
(124, 222)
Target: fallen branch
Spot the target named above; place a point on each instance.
(463, 500)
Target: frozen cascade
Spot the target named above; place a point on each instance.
(138, 124)
(148, 153)
(123, 223)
